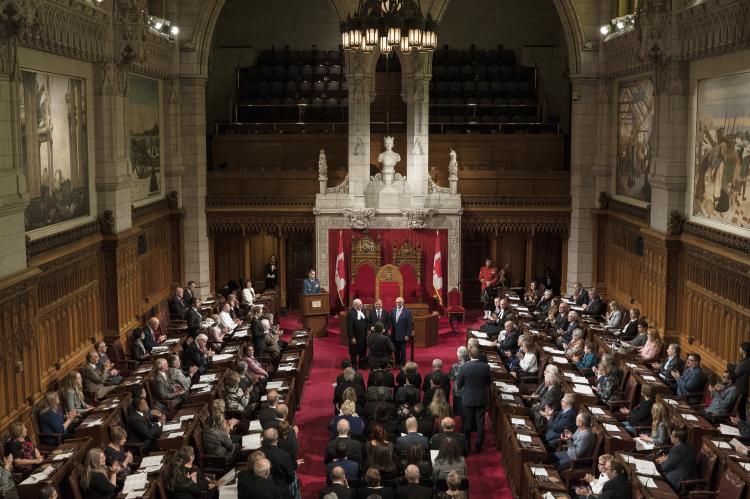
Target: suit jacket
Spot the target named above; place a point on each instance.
(250, 485)
(445, 382)
(665, 371)
(353, 449)
(741, 373)
(162, 389)
(383, 492)
(550, 396)
(580, 444)
(408, 394)
(596, 307)
(187, 295)
(139, 351)
(356, 328)
(271, 270)
(341, 491)
(385, 319)
(194, 319)
(511, 341)
(94, 380)
(267, 416)
(340, 387)
(630, 331)
(358, 379)
(142, 429)
(351, 468)
(149, 339)
(437, 440)
(474, 378)
(680, 464)
(380, 347)
(385, 378)
(583, 297)
(640, 415)
(562, 420)
(177, 377)
(616, 488)
(402, 328)
(692, 380)
(404, 442)
(310, 287)
(413, 490)
(282, 465)
(192, 356)
(177, 308)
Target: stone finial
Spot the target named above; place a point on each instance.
(675, 222)
(107, 222)
(604, 198)
(453, 165)
(322, 164)
(173, 198)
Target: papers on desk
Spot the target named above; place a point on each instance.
(610, 427)
(240, 334)
(641, 444)
(263, 398)
(513, 298)
(40, 476)
(729, 430)
(559, 360)
(577, 308)
(176, 434)
(171, 341)
(251, 442)
(507, 396)
(647, 481)
(92, 422)
(535, 332)
(645, 467)
(671, 402)
(688, 417)
(283, 369)
(493, 365)
(187, 417)
(648, 377)
(160, 349)
(523, 438)
(228, 492)
(60, 457)
(255, 426)
(133, 482)
(479, 334)
(486, 343)
(229, 476)
(576, 378)
(721, 445)
(274, 385)
(150, 461)
(221, 357)
(631, 365)
(433, 455)
(583, 389)
(507, 388)
(569, 302)
(517, 422)
(522, 309)
(746, 466)
(171, 427)
(554, 351)
(597, 410)
(739, 446)
(198, 386)
(208, 378)
(538, 471)
(290, 358)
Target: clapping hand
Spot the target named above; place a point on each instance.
(116, 467)
(589, 477)
(193, 370)
(193, 476)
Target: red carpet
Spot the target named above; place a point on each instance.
(486, 474)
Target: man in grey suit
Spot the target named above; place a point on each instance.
(580, 443)
(162, 389)
(412, 437)
(95, 381)
(474, 379)
(679, 464)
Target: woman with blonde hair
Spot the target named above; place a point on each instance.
(71, 390)
(652, 349)
(660, 424)
(554, 308)
(453, 481)
(348, 411)
(51, 419)
(98, 482)
(439, 407)
(614, 315)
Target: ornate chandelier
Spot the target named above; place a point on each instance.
(387, 24)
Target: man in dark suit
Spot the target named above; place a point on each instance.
(380, 347)
(282, 464)
(142, 427)
(692, 381)
(194, 317)
(272, 273)
(338, 485)
(268, 413)
(402, 330)
(580, 296)
(162, 389)
(177, 307)
(377, 314)
(437, 380)
(258, 483)
(673, 362)
(596, 306)
(742, 378)
(196, 354)
(353, 447)
(558, 422)
(640, 415)
(348, 382)
(561, 321)
(679, 463)
(509, 341)
(350, 466)
(618, 485)
(189, 292)
(412, 489)
(412, 437)
(474, 379)
(357, 376)
(356, 330)
(440, 375)
(630, 330)
(448, 425)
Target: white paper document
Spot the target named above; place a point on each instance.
(228, 492)
(176, 434)
(199, 385)
(646, 467)
(240, 334)
(135, 482)
(539, 471)
(255, 426)
(507, 388)
(688, 417)
(187, 417)
(251, 442)
(559, 360)
(517, 422)
(150, 461)
(507, 396)
(647, 481)
(523, 438)
(583, 389)
(597, 410)
(610, 427)
(433, 455)
(729, 430)
(648, 377)
(554, 351)
(171, 427)
(208, 378)
(229, 476)
(274, 385)
(222, 356)
(721, 445)
(60, 457)
(486, 343)
(641, 444)
(479, 334)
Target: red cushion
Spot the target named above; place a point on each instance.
(456, 309)
(365, 283)
(389, 291)
(412, 289)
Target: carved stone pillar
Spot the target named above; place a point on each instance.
(14, 195)
(602, 167)
(360, 76)
(193, 137)
(113, 181)
(584, 121)
(416, 76)
(174, 168)
(669, 177)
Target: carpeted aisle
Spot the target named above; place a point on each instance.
(486, 474)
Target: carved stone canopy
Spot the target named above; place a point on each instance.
(359, 219)
(419, 218)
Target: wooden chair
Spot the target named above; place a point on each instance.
(75, 485)
(57, 437)
(705, 467)
(455, 310)
(628, 396)
(731, 486)
(582, 465)
(208, 464)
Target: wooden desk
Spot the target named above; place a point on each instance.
(425, 330)
(110, 415)
(696, 426)
(186, 428)
(540, 479)
(645, 376)
(518, 452)
(662, 489)
(61, 468)
(616, 438)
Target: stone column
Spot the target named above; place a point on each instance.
(671, 121)
(193, 137)
(113, 179)
(582, 157)
(416, 76)
(14, 194)
(605, 152)
(360, 76)
(174, 168)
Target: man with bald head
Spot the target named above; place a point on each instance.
(258, 483)
(356, 330)
(177, 306)
(412, 489)
(448, 427)
(402, 330)
(282, 465)
(339, 487)
(353, 447)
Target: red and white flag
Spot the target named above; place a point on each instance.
(341, 271)
(437, 270)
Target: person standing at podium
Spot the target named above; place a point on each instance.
(311, 286)
(356, 329)
(377, 314)
(402, 330)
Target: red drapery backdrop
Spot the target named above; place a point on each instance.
(423, 238)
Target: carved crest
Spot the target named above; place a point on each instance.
(359, 219)
(417, 219)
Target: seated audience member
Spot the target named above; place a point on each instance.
(425, 422)
(143, 426)
(21, 447)
(575, 347)
(104, 363)
(410, 371)
(248, 293)
(631, 328)
(453, 482)
(548, 394)
(692, 381)
(742, 425)
(226, 322)
(614, 315)
(381, 458)
(258, 484)
(71, 389)
(115, 452)
(659, 425)
(449, 458)
(448, 427)
(533, 295)
(558, 422)
(217, 439)
(439, 406)
(412, 436)
(162, 389)
(339, 487)
(580, 296)
(566, 333)
(253, 366)
(283, 467)
(412, 489)
(442, 379)
(407, 393)
(380, 347)
(560, 321)
(272, 336)
(493, 326)
(346, 363)
(353, 447)
(618, 485)
(215, 335)
(543, 306)
(51, 418)
(607, 383)
(640, 415)
(152, 334)
(138, 349)
(268, 413)
(417, 456)
(679, 463)
(348, 382)
(235, 396)
(179, 481)
(378, 436)
(595, 485)
(350, 395)
(197, 354)
(7, 483)
(580, 443)
(722, 397)
(193, 317)
(373, 487)
(96, 481)
(507, 340)
(596, 305)
(587, 359)
(95, 381)
(350, 466)
(348, 412)
(652, 349)
(175, 374)
(641, 337)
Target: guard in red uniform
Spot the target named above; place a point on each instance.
(487, 276)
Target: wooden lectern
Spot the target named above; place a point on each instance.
(426, 329)
(315, 310)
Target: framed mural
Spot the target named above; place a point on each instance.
(54, 148)
(722, 150)
(635, 116)
(143, 128)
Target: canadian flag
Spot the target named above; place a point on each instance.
(437, 270)
(340, 271)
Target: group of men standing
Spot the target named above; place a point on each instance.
(382, 331)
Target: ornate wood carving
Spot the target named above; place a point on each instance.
(720, 238)
(364, 250)
(44, 244)
(710, 28)
(142, 211)
(631, 209)
(411, 255)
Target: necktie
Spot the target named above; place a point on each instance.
(378, 314)
(398, 313)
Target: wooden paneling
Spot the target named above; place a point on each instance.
(239, 255)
